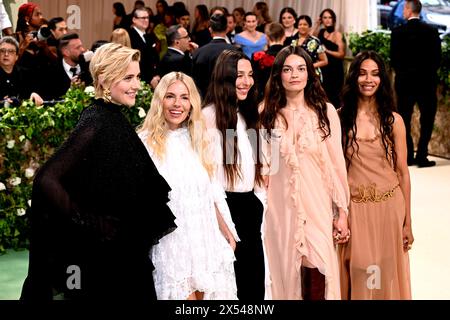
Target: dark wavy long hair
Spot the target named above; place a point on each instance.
(275, 94)
(222, 94)
(385, 107)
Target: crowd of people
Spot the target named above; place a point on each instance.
(262, 170)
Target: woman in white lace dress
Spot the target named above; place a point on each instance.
(196, 261)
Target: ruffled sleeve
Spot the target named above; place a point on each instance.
(335, 157)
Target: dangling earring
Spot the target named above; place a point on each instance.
(107, 95)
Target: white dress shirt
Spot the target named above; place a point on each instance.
(141, 33)
(67, 67)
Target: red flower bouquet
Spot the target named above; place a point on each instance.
(264, 60)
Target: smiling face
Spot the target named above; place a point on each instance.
(303, 27)
(287, 20)
(123, 91)
(369, 78)
(250, 23)
(176, 104)
(244, 80)
(294, 74)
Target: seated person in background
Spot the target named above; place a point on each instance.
(71, 68)
(15, 81)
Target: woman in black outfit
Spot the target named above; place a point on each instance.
(334, 44)
(230, 110)
(99, 203)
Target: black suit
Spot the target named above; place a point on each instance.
(175, 61)
(57, 82)
(415, 57)
(149, 56)
(205, 60)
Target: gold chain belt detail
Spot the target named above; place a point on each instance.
(371, 194)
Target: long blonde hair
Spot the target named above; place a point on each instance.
(156, 126)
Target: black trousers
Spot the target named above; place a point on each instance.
(247, 212)
(408, 94)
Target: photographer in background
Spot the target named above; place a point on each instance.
(16, 84)
(72, 67)
(28, 22)
(32, 33)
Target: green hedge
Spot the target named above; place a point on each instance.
(28, 137)
(380, 40)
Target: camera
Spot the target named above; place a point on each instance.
(43, 34)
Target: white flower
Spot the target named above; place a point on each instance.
(90, 90)
(10, 144)
(29, 203)
(142, 113)
(21, 212)
(2, 186)
(15, 181)
(29, 173)
(21, 138)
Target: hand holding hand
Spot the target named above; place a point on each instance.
(341, 232)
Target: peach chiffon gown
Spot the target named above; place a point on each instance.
(308, 181)
(373, 263)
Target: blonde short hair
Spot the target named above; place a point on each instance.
(121, 36)
(109, 64)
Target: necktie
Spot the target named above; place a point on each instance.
(74, 71)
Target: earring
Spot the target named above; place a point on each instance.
(107, 95)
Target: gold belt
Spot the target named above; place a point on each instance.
(370, 193)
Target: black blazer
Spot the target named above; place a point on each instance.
(175, 61)
(149, 57)
(56, 82)
(98, 203)
(416, 51)
(205, 60)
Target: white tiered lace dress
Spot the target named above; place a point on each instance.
(196, 256)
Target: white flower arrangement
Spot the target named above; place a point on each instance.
(15, 181)
(29, 173)
(90, 90)
(142, 113)
(21, 212)
(10, 144)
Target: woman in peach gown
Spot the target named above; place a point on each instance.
(375, 264)
(307, 189)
